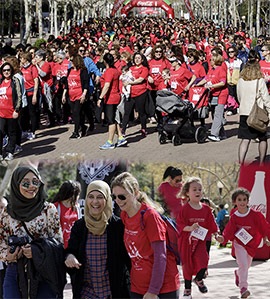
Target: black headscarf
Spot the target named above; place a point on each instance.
(20, 207)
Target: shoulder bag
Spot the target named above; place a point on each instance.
(258, 117)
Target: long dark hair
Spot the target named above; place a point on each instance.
(172, 172)
(144, 60)
(108, 58)
(68, 190)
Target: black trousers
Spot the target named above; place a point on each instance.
(139, 103)
(9, 126)
(76, 108)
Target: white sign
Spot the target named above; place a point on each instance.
(243, 236)
(200, 233)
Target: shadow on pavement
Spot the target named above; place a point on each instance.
(38, 147)
(51, 132)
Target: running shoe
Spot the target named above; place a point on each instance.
(202, 287)
(107, 145)
(121, 142)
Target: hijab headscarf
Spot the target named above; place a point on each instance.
(97, 224)
(20, 207)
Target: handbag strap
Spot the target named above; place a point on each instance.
(257, 87)
(27, 231)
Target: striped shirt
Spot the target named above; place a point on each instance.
(96, 276)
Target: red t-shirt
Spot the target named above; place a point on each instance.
(126, 48)
(48, 77)
(29, 74)
(111, 75)
(198, 70)
(139, 72)
(119, 64)
(74, 85)
(254, 223)
(169, 195)
(138, 245)
(180, 79)
(265, 67)
(215, 76)
(156, 68)
(6, 102)
(67, 219)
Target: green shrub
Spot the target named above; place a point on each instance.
(38, 42)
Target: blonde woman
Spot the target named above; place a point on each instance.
(246, 93)
(154, 272)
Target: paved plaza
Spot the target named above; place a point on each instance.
(220, 281)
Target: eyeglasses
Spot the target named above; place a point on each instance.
(25, 183)
(263, 50)
(6, 70)
(81, 50)
(120, 196)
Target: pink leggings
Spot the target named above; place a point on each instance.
(244, 261)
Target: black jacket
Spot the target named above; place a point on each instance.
(118, 261)
(48, 260)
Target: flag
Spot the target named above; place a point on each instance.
(189, 8)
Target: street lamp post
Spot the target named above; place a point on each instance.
(220, 188)
(2, 18)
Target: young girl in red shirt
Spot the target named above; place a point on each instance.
(245, 228)
(194, 222)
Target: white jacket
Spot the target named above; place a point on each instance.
(246, 92)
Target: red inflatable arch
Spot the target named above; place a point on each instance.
(145, 3)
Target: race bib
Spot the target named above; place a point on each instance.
(195, 98)
(174, 85)
(243, 236)
(155, 70)
(199, 233)
(3, 91)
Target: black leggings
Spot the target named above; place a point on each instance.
(33, 111)
(139, 103)
(76, 108)
(199, 277)
(9, 125)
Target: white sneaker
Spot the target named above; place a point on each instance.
(214, 138)
(9, 157)
(24, 135)
(31, 136)
(229, 113)
(1, 158)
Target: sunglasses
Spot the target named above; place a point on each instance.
(6, 70)
(263, 50)
(158, 51)
(231, 52)
(81, 50)
(26, 183)
(120, 196)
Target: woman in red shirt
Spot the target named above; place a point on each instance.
(10, 105)
(66, 202)
(110, 94)
(157, 64)
(46, 82)
(216, 79)
(154, 272)
(196, 68)
(77, 88)
(139, 92)
(31, 81)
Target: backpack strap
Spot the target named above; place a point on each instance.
(141, 220)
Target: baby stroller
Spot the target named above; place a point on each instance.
(179, 122)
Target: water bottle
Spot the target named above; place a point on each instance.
(258, 200)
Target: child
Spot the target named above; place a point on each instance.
(165, 84)
(194, 217)
(3, 204)
(245, 228)
(66, 202)
(127, 77)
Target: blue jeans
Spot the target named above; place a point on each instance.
(11, 289)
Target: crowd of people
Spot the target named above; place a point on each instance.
(109, 72)
(108, 256)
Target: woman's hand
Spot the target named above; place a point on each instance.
(150, 296)
(72, 262)
(13, 257)
(99, 103)
(219, 238)
(27, 251)
(82, 98)
(125, 83)
(15, 115)
(63, 99)
(194, 226)
(34, 100)
(150, 80)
